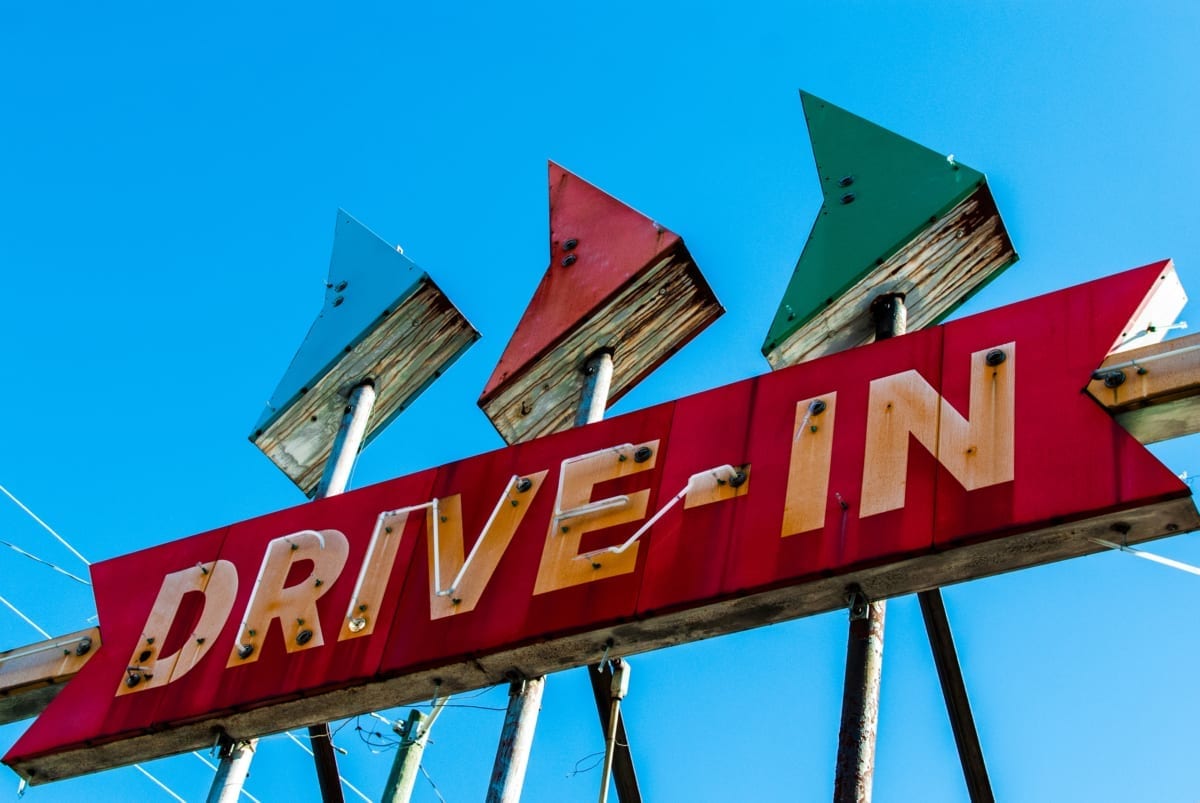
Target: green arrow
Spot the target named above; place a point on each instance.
(896, 217)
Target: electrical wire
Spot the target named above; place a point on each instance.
(25, 618)
(43, 561)
(1150, 556)
(45, 526)
(429, 778)
(158, 783)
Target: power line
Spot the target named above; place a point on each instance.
(45, 526)
(43, 561)
(25, 618)
(158, 783)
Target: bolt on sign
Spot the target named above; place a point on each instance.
(948, 454)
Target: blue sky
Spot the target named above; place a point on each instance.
(169, 181)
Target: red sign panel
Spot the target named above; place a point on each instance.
(887, 458)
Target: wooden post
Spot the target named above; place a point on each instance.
(407, 766)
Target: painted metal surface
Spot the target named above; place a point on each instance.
(617, 281)
(729, 559)
(383, 319)
(897, 217)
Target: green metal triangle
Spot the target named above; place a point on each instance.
(880, 192)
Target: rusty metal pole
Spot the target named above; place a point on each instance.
(860, 700)
(864, 647)
(516, 739)
(235, 759)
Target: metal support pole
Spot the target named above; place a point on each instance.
(516, 739)
(860, 701)
(232, 771)
(227, 785)
(864, 646)
(970, 753)
(624, 775)
(599, 373)
(618, 688)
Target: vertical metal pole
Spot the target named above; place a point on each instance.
(618, 688)
(624, 774)
(231, 774)
(525, 697)
(864, 646)
(599, 373)
(516, 739)
(860, 701)
(954, 690)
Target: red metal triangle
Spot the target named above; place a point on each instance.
(613, 244)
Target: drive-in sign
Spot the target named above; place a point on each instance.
(939, 456)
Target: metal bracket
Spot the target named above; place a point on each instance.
(858, 603)
(1112, 379)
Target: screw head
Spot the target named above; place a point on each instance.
(845, 181)
(304, 636)
(816, 407)
(132, 679)
(848, 198)
(245, 650)
(570, 244)
(643, 454)
(569, 260)
(524, 484)
(84, 646)
(995, 357)
(356, 624)
(1114, 379)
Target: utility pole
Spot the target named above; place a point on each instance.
(236, 758)
(414, 735)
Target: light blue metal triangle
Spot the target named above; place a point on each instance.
(384, 320)
(366, 277)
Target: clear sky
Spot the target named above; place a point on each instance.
(168, 184)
